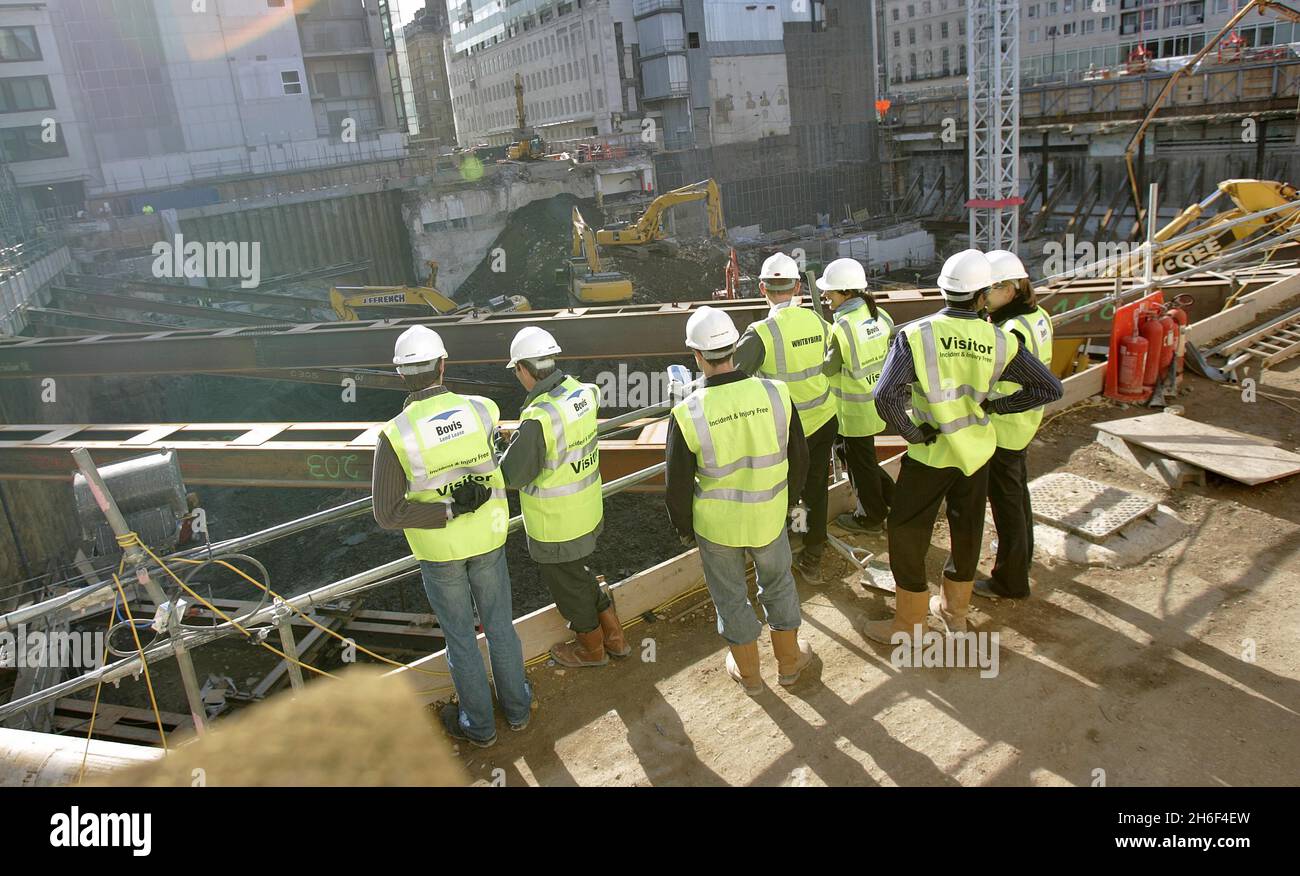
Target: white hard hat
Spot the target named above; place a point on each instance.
(418, 345)
(1006, 265)
(781, 268)
(965, 274)
(843, 275)
(532, 343)
(710, 329)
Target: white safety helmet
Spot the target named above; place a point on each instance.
(710, 329)
(965, 274)
(417, 350)
(779, 271)
(1006, 265)
(843, 275)
(532, 343)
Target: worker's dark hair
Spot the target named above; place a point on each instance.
(534, 367)
(425, 379)
(1025, 293)
(866, 296)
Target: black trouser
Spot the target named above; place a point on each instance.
(575, 591)
(1014, 519)
(874, 488)
(918, 494)
(816, 487)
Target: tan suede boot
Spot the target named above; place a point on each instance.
(588, 650)
(909, 610)
(793, 654)
(615, 644)
(742, 665)
(951, 604)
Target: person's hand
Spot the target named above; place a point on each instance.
(500, 441)
(929, 433)
(468, 497)
(687, 539)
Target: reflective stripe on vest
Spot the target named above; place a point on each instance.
(854, 385)
(810, 391)
(437, 450)
(957, 362)
(739, 433)
(1015, 431)
(564, 501)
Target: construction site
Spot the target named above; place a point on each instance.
(193, 389)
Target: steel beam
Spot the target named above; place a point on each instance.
(615, 332)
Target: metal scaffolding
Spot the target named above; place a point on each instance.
(993, 123)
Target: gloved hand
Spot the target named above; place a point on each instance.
(929, 431)
(500, 441)
(468, 497)
(687, 539)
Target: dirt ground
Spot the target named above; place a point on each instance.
(1139, 676)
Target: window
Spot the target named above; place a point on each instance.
(1222, 6)
(1033, 35)
(19, 44)
(26, 144)
(1108, 22)
(1067, 29)
(911, 11)
(898, 40)
(943, 60)
(22, 93)
(911, 36)
(896, 14)
(290, 82)
(1032, 11)
(911, 65)
(1194, 13)
(1088, 25)
(961, 27)
(1051, 8)
(1069, 6)
(1150, 19)
(693, 38)
(943, 30)
(926, 9)
(327, 84)
(928, 33)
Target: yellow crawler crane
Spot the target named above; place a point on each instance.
(1212, 239)
(648, 228)
(346, 300)
(588, 282)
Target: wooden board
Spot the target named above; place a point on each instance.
(1236, 455)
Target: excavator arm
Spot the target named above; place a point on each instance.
(648, 228)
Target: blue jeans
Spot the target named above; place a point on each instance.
(455, 589)
(724, 573)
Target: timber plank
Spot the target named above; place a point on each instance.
(1236, 455)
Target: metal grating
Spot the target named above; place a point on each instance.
(1085, 507)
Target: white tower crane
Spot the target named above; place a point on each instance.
(993, 122)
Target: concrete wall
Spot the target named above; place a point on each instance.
(310, 229)
(749, 98)
(458, 226)
(27, 286)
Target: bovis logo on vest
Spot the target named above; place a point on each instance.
(443, 427)
(578, 402)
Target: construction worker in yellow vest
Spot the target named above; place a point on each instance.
(735, 459)
(1013, 306)
(790, 346)
(859, 342)
(946, 367)
(554, 462)
(436, 478)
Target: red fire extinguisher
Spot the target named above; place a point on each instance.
(1153, 330)
(1178, 312)
(1132, 365)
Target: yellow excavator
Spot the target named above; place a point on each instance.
(586, 279)
(648, 228)
(1248, 196)
(347, 300)
(529, 146)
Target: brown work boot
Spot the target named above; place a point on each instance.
(909, 610)
(588, 650)
(742, 665)
(951, 604)
(615, 644)
(793, 654)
